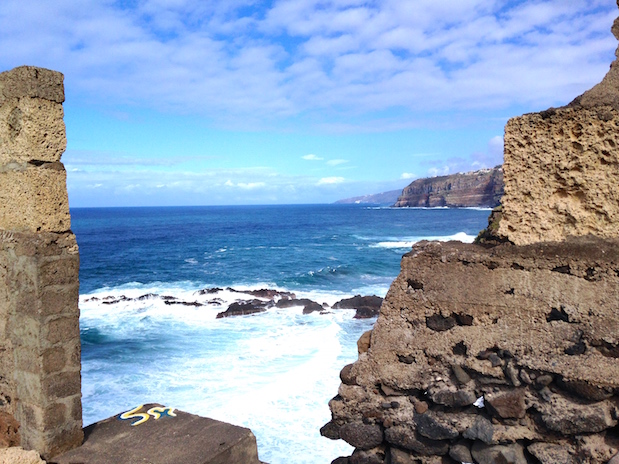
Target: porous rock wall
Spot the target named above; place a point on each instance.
(40, 384)
(561, 168)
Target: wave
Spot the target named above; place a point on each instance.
(273, 373)
(460, 236)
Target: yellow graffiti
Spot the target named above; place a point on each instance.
(142, 417)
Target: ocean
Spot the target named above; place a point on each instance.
(152, 281)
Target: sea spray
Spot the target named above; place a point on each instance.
(273, 372)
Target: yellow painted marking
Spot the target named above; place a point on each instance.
(134, 414)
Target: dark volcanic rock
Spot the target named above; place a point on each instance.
(366, 306)
(243, 308)
(271, 294)
(308, 305)
(407, 438)
(494, 454)
(362, 436)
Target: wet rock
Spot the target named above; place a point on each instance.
(308, 305)
(506, 405)
(406, 437)
(243, 309)
(494, 454)
(362, 436)
(366, 306)
(271, 294)
(208, 291)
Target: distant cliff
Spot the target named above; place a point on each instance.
(385, 198)
(477, 188)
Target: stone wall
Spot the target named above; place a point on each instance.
(40, 385)
(532, 330)
(506, 352)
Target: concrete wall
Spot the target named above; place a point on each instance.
(40, 384)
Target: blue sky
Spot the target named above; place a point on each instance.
(196, 102)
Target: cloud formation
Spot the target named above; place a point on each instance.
(312, 158)
(333, 58)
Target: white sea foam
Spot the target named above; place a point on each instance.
(408, 243)
(273, 372)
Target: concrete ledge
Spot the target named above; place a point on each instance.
(172, 438)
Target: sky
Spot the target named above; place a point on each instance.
(219, 102)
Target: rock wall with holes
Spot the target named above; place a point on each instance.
(40, 386)
(507, 352)
(484, 354)
(561, 168)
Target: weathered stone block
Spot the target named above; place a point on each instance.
(62, 330)
(63, 271)
(559, 175)
(61, 385)
(31, 129)
(30, 81)
(54, 360)
(34, 198)
(59, 300)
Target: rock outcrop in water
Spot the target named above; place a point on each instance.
(508, 352)
(482, 188)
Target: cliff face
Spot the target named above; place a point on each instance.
(478, 188)
(506, 353)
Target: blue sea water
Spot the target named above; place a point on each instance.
(273, 372)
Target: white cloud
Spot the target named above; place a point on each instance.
(407, 175)
(311, 157)
(336, 162)
(331, 180)
(226, 59)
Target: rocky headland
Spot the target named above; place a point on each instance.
(506, 351)
(482, 188)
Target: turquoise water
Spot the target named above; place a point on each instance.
(273, 372)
